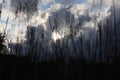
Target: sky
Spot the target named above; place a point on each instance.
(88, 9)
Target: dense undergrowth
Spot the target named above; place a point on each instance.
(15, 67)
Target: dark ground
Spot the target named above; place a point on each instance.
(21, 68)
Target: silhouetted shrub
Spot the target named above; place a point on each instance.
(2, 40)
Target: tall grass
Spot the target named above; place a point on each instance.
(97, 47)
(115, 29)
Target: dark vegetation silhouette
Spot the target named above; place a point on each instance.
(64, 59)
(2, 39)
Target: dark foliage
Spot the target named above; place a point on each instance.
(2, 40)
(15, 67)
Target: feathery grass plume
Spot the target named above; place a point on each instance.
(28, 7)
(1, 4)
